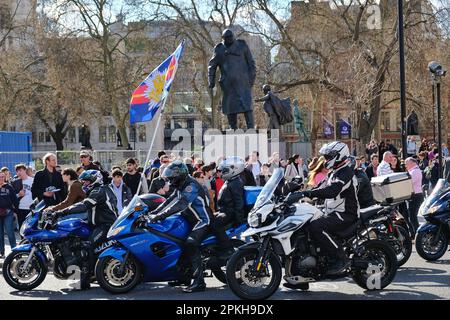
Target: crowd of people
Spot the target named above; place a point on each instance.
(212, 191)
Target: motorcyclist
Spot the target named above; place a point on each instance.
(341, 204)
(100, 204)
(230, 202)
(365, 194)
(190, 199)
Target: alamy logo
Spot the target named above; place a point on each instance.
(374, 280)
(74, 279)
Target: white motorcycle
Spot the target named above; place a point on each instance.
(282, 239)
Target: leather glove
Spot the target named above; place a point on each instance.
(293, 197)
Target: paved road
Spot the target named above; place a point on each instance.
(416, 280)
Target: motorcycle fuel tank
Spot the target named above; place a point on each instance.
(76, 227)
(175, 225)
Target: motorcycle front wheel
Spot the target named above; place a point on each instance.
(248, 284)
(19, 277)
(381, 266)
(430, 248)
(116, 278)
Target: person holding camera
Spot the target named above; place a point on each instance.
(48, 184)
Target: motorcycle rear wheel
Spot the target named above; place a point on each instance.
(220, 271)
(382, 260)
(405, 246)
(17, 277)
(246, 286)
(117, 281)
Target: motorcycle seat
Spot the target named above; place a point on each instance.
(367, 213)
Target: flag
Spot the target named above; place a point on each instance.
(328, 128)
(345, 129)
(151, 93)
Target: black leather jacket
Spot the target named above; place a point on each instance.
(101, 205)
(365, 195)
(231, 199)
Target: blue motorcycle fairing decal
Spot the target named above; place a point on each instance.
(27, 248)
(117, 252)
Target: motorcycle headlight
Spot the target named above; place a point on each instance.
(433, 209)
(115, 231)
(254, 220)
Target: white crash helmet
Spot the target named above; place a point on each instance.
(335, 153)
(231, 167)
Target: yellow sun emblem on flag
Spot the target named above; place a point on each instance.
(155, 88)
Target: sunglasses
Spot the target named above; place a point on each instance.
(84, 156)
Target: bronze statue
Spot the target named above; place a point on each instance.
(237, 76)
(271, 102)
(412, 124)
(85, 137)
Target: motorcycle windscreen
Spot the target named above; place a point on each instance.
(438, 190)
(269, 188)
(129, 209)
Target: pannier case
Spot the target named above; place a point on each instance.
(392, 188)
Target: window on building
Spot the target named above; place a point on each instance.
(112, 134)
(398, 122)
(132, 134)
(385, 121)
(41, 136)
(71, 138)
(48, 137)
(102, 134)
(142, 133)
(34, 137)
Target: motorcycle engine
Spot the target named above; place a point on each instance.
(304, 265)
(70, 253)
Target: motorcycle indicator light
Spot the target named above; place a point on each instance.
(138, 208)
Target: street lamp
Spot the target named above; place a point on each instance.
(437, 72)
(401, 53)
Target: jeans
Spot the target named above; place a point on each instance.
(414, 205)
(7, 223)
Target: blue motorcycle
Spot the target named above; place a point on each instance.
(153, 252)
(58, 245)
(433, 236)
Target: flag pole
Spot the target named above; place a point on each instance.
(151, 145)
(166, 95)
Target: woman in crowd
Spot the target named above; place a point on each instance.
(8, 203)
(317, 172)
(75, 192)
(265, 174)
(294, 168)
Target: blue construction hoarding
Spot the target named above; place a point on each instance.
(15, 147)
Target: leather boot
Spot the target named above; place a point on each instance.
(199, 283)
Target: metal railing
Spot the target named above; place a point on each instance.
(71, 158)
